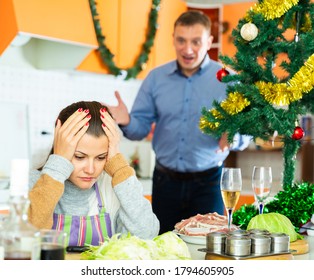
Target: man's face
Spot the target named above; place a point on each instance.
(191, 44)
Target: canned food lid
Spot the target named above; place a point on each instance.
(216, 235)
(257, 231)
(238, 232)
(238, 240)
(260, 239)
(280, 237)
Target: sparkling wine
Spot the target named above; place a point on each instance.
(52, 252)
(230, 198)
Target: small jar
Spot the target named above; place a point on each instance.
(261, 244)
(256, 231)
(238, 246)
(280, 242)
(215, 242)
(239, 233)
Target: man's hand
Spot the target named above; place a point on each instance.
(224, 145)
(119, 113)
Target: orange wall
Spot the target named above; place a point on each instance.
(232, 14)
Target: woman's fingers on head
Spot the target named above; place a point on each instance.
(76, 121)
(77, 116)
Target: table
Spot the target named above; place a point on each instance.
(198, 255)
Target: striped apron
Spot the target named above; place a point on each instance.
(85, 230)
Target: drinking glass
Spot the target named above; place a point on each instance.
(53, 244)
(230, 186)
(261, 184)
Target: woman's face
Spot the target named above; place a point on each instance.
(89, 159)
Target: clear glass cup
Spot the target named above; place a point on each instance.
(261, 184)
(53, 244)
(230, 186)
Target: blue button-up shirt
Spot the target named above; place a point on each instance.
(174, 102)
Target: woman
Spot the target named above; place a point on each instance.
(86, 187)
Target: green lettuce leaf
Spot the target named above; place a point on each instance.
(167, 246)
(274, 222)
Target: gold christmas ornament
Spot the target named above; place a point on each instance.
(249, 31)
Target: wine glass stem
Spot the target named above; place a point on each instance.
(261, 207)
(229, 211)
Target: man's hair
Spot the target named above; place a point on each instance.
(193, 17)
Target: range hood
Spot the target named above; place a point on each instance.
(46, 34)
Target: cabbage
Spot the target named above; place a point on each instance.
(128, 247)
(171, 247)
(274, 222)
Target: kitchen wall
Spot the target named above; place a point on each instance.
(47, 92)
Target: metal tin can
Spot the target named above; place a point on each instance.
(256, 231)
(261, 244)
(280, 242)
(238, 246)
(215, 242)
(239, 233)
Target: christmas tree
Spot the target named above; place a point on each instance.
(260, 103)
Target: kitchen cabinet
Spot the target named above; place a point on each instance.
(38, 34)
(124, 24)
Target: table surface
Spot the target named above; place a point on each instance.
(198, 255)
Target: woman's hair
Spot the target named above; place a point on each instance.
(192, 17)
(95, 123)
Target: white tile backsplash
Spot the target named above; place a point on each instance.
(47, 92)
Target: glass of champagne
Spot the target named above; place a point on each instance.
(230, 186)
(261, 184)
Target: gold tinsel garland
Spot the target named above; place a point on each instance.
(235, 103)
(285, 93)
(204, 123)
(272, 9)
(277, 94)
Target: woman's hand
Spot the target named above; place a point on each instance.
(112, 132)
(69, 133)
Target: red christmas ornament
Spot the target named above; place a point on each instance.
(298, 133)
(222, 73)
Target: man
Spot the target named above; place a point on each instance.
(186, 178)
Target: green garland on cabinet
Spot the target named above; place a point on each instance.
(107, 56)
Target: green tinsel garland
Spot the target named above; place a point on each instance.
(107, 56)
(295, 202)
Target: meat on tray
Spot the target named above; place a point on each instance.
(202, 224)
